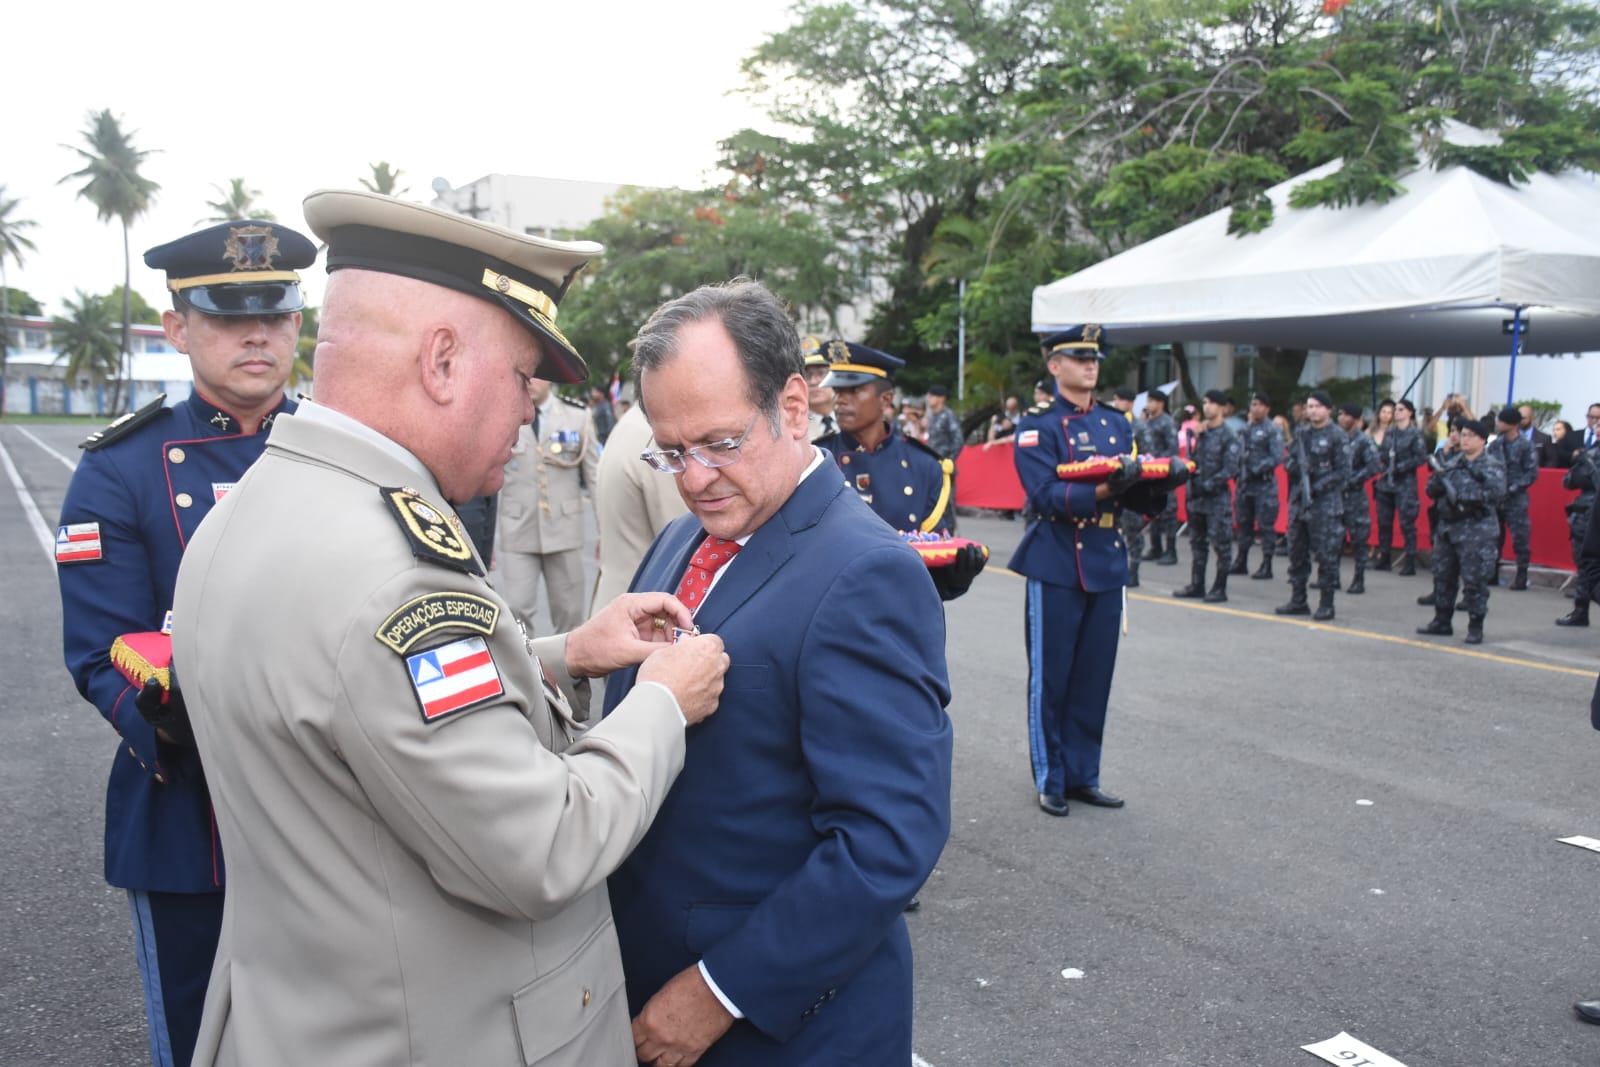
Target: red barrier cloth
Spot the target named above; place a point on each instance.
(988, 479)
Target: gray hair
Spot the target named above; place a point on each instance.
(763, 334)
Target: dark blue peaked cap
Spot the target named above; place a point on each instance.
(236, 268)
(1076, 341)
(851, 364)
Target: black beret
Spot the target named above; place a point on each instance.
(1216, 396)
(1510, 416)
(1353, 410)
(1122, 392)
(1320, 396)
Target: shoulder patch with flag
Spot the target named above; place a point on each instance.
(1027, 438)
(78, 543)
(454, 677)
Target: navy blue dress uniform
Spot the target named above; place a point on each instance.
(141, 489)
(1076, 565)
(903, 480)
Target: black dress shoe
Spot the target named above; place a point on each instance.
(1052, 803)
(1093, 794)
(913, 904)
(1588, 1011)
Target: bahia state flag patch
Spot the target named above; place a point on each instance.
(78, 543)
(454, 677)
(1027, 439)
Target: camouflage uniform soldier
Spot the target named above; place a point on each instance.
(1522, 470)
(1584, 477)
(1217, 458)
(1257, 501)
(1466, 546)
(1133, 523)
(1402, 453)
(1163, 435)
(1357, 506)
(1319, 466)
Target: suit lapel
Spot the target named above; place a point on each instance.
(772, 546)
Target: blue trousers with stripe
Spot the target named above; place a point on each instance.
(176, 944)
(1072, 653)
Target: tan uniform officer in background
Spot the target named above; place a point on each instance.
(417, 854)
(632, 504)
(540, 529)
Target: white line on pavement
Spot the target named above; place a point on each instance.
(41, 529)
(71, 465)
(918, 1061)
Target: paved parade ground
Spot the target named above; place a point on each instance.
(1330, 828)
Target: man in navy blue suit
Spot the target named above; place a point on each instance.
(760, 918)
(1076, 565)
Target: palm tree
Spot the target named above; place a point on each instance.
(12, 244)
(236, 204)
(86, 337)
(385, 180)
(118, 191)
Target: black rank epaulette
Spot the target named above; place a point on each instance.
(123, 425)
(433, 537)
(575, 402)
(1041, 407)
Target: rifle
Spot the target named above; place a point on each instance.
(1443, 467)
(1305, 469)
(1388, 463)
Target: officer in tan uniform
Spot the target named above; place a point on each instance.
(632, 504)
(417, 851)
(540, 529)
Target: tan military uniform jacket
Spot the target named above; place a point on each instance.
(408, 884)
(541, 505)
(632, 503)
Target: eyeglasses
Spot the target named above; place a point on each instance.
(715, 454)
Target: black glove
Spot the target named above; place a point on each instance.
(1178, 473)
(165, 710)
(955, 578)
(1124, 477)
(1434, 488)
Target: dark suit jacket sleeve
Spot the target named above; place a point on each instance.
(876, 742)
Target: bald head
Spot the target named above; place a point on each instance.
(439, 372)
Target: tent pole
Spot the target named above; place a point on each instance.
(1516, 350)
(1425, 364)
(1374, 386)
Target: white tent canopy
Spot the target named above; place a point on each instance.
(1437, 271)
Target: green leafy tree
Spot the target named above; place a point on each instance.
(113, 184)
(385, 180)
(661, 243)
(85, 337)
(13, 243)
(21, 302)
(139, 309)
(305, 346)
(235, 203)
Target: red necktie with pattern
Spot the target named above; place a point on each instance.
(712, 555)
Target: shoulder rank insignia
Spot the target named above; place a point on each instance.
(124, 425)
(1041, 407)
(427, 617)
(430, 533)
(575, 402)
